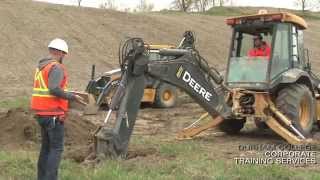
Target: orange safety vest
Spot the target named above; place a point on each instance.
(42, 102)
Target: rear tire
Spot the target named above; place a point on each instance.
(297, 103)
(260, 124)
(166, 96)
(232, 126)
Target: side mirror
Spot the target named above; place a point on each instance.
(93, 71)
(307, 59)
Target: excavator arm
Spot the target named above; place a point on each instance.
(202, 84)
(186, 70)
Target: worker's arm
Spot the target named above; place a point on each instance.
(54, 81)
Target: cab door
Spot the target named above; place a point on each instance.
(281, 50)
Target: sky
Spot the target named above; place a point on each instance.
(166, 4)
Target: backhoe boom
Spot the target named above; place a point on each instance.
(185, 70)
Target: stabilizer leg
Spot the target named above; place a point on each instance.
(290, 137)
(283, 132)
(191, 131)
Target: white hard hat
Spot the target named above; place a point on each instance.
(59, 44)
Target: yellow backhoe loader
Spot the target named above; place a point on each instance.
(268, 79)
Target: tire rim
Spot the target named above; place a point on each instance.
(167, 95)
(304, 113)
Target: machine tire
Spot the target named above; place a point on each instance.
(232, 126)
(297, 103)
(259, 124)
(166, 96)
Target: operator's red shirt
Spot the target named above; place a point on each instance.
(264, 50)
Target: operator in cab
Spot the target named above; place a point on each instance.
(260, 49)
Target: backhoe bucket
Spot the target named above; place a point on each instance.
(113, 141)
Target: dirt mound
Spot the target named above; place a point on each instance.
(19, 130)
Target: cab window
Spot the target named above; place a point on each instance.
(280, 58)
(250, 54)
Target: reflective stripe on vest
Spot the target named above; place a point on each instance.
(42, 90)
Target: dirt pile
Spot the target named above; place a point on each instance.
(19, 130)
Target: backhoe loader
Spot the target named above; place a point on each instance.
(274, 87)
(156, 93)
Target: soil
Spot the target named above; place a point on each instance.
(19, 130)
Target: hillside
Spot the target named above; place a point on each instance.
(94, 36)
(238, 11)
(154, 153)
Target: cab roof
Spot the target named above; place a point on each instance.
(159, 46)
(271, 17)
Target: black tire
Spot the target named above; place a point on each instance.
(260, 124)
(232, 126)
(166, 96)
(297, 103)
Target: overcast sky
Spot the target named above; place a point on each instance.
(162, 4)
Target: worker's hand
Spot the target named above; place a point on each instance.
(79, 99)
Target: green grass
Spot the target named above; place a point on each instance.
(190, 161)
(230, 11)
(17, 165)
(240, 11)
(19, 102)
(309, 15)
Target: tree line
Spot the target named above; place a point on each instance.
(197, 5)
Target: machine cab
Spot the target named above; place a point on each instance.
(263, 47)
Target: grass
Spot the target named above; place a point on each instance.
(309, 15)
(19, 102)
(190, 162)
(240, 11)
(230, 11)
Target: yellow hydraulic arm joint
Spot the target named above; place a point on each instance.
(193, 130)
(284, 132)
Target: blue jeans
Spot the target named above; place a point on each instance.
(52, 134)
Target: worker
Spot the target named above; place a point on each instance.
(50, 103)
(261, 48)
